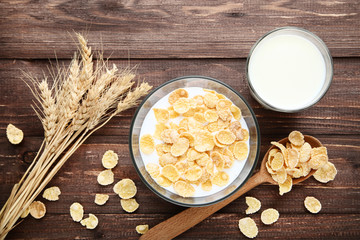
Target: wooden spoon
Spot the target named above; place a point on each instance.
(188, 218)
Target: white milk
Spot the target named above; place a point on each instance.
(148, 127)
(287, 71)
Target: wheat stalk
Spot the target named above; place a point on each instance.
(84, 101)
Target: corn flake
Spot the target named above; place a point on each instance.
(296, 138)
(105, 177)
(220, 179)
(317, 161)
(153, 169)
(207, 185)
(90, 222)
(223, 104)
(170, 172)
(37, 209)
(312, 204)
(76, 211)
(142, 229)
(184, 189)
(14, 134)
(292, 158)
(159, 128)
(25, 213)
(286, 186)
(326, 173)
(161, 115)
(240, 151)
(109, 159)
(248, 227)
(218, 160)
(125, 188)
(129, 205)
(210, 100)
(163, 181)
(305, 152)
(269, 216)
(180, 147)
(101, 199)
(193, 174)
(172, 113)
(277, 162)
(211, 116)
(225, 137)
(204, 141)
(182, 105)
(147, 144)
(254, 205)
(236, 112)
(169, 135)
(52, 193)
(200, 117)
(177, 94)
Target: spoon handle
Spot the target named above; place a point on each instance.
(188, 218)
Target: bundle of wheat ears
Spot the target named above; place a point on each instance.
(82, 99)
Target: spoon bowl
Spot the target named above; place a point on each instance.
(188, 218)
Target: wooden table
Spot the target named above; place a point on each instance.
(166, 40)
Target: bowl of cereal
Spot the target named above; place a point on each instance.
(194, 141)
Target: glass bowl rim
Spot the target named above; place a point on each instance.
(258, 143)
(319, 97)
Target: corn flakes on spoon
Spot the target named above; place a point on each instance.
(188, 218)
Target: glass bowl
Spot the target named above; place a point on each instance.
(261, 93)
(208, 83)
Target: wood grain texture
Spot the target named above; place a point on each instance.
(185, 29)
(168, 39)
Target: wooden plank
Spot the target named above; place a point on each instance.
(218, 226)
(187, 29)
(15, 97)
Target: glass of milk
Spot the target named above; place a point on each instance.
(289, 69)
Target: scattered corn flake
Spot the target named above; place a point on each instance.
(269, 216)
(220, 179)
(211, 116)
(76, 211)
(25, 213)
(129, 205)
(317, 161)
(142, 229)
(286, 186)
(254, 205)
(170, 172)
(181, 166)
(101, 199)
(206, 186)
(90, 222)
(193, 174)
(240, 150)
(225, 115)
(52, 193)
(210, 100)
(248, 227)
(177, 94)
(305, 152)
(147, 144)
(268, 167)
(281, 147)
(296, 138)
(153, 169)
(312, 204)
(305, 168)
(200, 117)
(212, 127)
(105, 177)
(37, 209)
(204, 141)
(277, 162)
(294, 172)
(245, 134)
(182, 105)
(220, 96)
(180, 147)
(209, 91)
(161, 115)
(169, 135)
(109, 159)
(163, 181)
(184, 189)
(236, 112)
(125, 188)
(14, 134)
(210, 167)
(225, 137)
(217, 143)
(326, 173)
(203, 160)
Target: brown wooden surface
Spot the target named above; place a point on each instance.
(168, 40)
